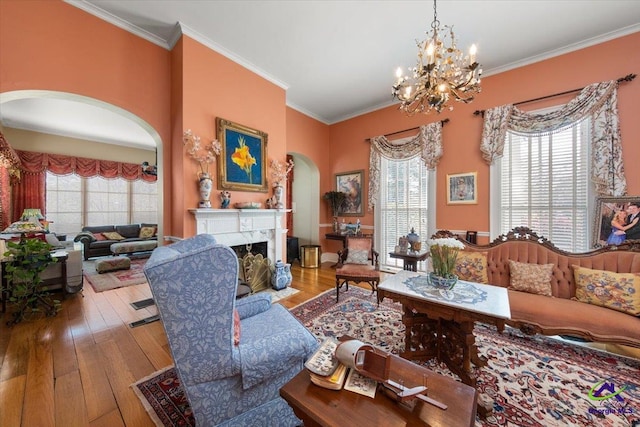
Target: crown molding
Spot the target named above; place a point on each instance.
(118, 22)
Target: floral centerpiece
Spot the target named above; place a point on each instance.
(444, 252)
(280, 171)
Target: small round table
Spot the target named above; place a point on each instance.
(410, 259)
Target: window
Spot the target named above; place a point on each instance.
(73, 201)
(403, 203)
(543, 183)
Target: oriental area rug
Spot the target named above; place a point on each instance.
(115, 279)
(534, 381)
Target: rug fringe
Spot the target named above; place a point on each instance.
(145, 403)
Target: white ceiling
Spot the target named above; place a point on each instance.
(336, 59)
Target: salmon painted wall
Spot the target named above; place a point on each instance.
(51, 45)
(461, 136)
(214, 86)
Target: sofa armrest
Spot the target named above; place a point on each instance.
(85, 237)
(253, 304)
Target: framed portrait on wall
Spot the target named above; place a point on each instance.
(462, 188)
(616, 220)
(243, 160)
(351, 183)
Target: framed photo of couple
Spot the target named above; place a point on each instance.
(617, 220)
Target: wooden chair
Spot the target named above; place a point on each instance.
(357, 262)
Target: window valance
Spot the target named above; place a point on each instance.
(34, 163)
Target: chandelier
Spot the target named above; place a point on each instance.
(442, 72)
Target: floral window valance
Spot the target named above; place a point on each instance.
(427, 144)
(598, 101)
(32, 163)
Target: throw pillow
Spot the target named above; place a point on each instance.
(147, 232)
(99, 236)
(236, 327)
(357, 256)
(532, 278)
(617, 291)
(52, 240)
(112, 235)
(472, 267)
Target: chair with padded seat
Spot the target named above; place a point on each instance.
(357, 263)
(232, 355)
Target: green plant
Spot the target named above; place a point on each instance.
(335, 199)
(28, 258)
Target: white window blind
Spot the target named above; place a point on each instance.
(64, 203)
(544, 185)
(403, 204)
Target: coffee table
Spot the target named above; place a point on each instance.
(439, 323)
(318, 406)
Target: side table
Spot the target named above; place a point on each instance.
(410, 259)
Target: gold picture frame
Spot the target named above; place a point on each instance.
(243, 159)
(462, 188)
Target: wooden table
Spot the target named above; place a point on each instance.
(318, 406)
(410, 259)
(342, 237)
(442, 327)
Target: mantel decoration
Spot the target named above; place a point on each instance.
(336, 200)
(204, 155)
(279, 173)
(442, 72)
(444, 252)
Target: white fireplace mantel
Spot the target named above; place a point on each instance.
(234, 227)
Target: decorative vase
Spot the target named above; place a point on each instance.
(205, 184)
(441, 282)
(279, 278)
(278, 194)
(414, 240)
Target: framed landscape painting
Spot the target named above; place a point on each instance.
(612, 220)
(243, 160)
(462, 188)
(350, 183)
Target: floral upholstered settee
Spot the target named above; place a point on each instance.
(592, 295)
(232, 356)
(97, 240)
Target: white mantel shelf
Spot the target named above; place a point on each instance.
(234, 227)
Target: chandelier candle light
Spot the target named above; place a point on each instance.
(204, 155)
(442, 72)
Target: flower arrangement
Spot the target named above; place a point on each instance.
(280, 171)
(444, 252)
(204, 155)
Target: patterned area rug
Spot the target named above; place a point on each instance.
(534, 381)
(115, 279)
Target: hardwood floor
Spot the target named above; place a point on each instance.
(76, 368)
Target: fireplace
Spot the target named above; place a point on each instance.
(234, 227)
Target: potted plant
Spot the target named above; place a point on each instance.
(27, 259)
(444, 252)
(335, 199)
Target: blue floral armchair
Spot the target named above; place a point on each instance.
(194, 283)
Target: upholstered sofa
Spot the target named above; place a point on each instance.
(590, 295)
(232, 355)
(97, 243)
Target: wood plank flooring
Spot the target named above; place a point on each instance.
(76, 369)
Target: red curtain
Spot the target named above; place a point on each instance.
(30, 192)
(5, 199)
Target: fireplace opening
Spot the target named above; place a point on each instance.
(251, 248)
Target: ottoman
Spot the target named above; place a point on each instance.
(132, 247)
(104, 265)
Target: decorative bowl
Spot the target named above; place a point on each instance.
(248, 205)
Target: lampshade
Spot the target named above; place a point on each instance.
(29, 213)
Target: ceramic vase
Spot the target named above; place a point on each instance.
(441, 282)
(278, 195)
(205, 184)
(281, 276)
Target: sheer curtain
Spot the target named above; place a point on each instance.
(599, 101)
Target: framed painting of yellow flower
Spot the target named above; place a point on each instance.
(243, 160)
